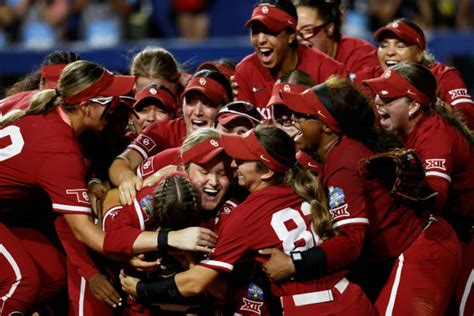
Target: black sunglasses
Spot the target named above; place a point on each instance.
(243, 108)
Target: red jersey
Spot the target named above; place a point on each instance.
(354, 200)
(41, 151)
(256, 82)
(356, 54)
(448, 160)
(18, 101)
(272, 217)
(159, 136)
(123, 223)
(452, 90)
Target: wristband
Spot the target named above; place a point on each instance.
(164, 290)
(162, 240)
(309, 264)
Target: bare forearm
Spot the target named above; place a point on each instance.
(119, 170)
(86, 231)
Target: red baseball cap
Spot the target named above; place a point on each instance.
(157, 92)
(310, 102)
(247, 147)
(202, 152)
(403, 31)
(108, 85)
(212, 89)
(272, 17)
(51, 74)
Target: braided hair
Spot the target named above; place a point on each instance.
(176, 203)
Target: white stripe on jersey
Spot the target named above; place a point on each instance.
(219, 264)
(231, 203)
(138, 210)
(73, 208)
(108, 214)
(438, 174)
(15, 268)
(356, 220)
(139, 150)
(462, 100)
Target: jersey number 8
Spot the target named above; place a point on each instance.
(16, 145)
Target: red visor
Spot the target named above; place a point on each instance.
(108, 85)
(309, 103)
(51, 74)
(164, 97)
(272, 17)
(202, 152)
(391, 85)
(212, 89)
(223, 69)
(247, 147)
(284, 86)
(404, 32)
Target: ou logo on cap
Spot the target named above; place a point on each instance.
(287, 88)
(265, 9)
(387, 74)
(384, 92)
(214, 143)
(202, 81)
(152, 91)
(395, 25)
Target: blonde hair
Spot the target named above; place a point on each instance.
(155, 62)
(75, 77)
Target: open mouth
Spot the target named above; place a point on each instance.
(384, 118)
(266, 54)
(391, 63)
(210, 193)
(199, 123)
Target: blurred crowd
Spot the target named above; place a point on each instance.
(42, 23)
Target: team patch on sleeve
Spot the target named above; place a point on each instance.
(146, 204)
(436, 164)
(338, 212)
(81, 195)
(459, 93)
(147, 168)
(146, 142)
(336, 197)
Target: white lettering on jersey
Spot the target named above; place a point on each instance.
(436, 164)
(81, 195)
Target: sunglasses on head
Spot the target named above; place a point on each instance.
(243, 108)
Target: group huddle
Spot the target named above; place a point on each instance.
(298, 181)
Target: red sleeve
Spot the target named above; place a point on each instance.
(347, 201)
(435, 151)
(242, 78)
(345, 248)
(122, 226)
(76, 252)
(452, 90)
(62, 176)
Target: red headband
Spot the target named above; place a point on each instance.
(391, 85)
(212, 89)
(404, 32)
(202, 152)
(285, 86)
(51, 74)
(310, 102)
(107, 85)
(272, 17)
(247, 147)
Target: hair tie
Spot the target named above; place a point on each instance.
(58, 94)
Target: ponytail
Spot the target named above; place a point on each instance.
(41, 103)
(454, 118)
(305, 184)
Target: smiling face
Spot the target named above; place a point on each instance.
(310, 134)
(392, 51)
(394, 114)
(271, 48)
(248, 175)
(148, 114)
(198, 111)
(282, 119)
(211, 180)
(311, 29)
